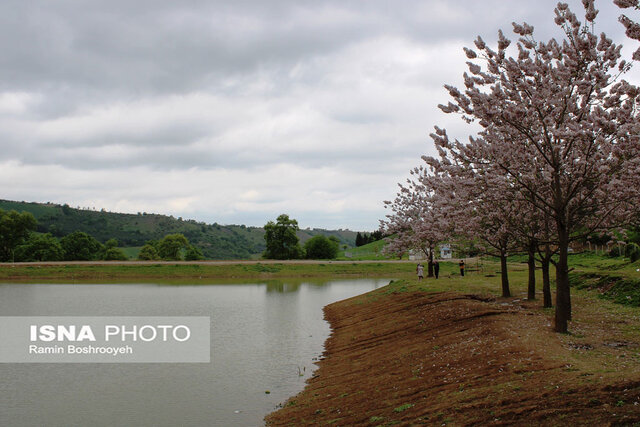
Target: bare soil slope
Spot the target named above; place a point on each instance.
(400, 357)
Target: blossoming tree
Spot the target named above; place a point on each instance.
(415, 221)
(560, 125)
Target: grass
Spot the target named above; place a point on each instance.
(403, 408)
(132, 251)
(482, 277)
(588, 262)
(203, 273)
(621, 290)
(370, 251)
(614, 279)
(610, 294)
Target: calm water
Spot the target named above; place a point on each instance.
(262, 336)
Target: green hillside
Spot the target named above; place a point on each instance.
(365, 252)
(133, 230)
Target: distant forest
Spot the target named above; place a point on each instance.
(134, 230)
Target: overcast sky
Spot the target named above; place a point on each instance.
(236, 111)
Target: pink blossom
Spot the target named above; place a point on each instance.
(470, 53)
(624, 4)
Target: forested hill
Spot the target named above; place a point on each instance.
(216, 241)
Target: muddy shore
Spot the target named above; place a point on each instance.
(402, 357)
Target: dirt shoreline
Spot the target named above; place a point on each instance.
(402, 357)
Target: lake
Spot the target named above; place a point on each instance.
(264, 337)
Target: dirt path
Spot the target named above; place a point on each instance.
(417, 358)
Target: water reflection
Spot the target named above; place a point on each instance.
(282, 287)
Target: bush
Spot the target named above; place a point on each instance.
(193, 254)
(148, 253)
(321, 247)
(114, 254)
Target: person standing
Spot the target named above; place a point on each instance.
(436, 268)
(461, 264)
(420, 271)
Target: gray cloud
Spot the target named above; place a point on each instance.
(151, 47)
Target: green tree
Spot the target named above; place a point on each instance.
(111, 243)
(193, 254)
(80, 246)
(170, 247)
(321, 247)
(14, 229)
(148, 252)
(112, 252)
(281, 239)
(40, 247)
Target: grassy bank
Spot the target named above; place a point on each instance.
(365, 252)
(197, 272)
(484, 272)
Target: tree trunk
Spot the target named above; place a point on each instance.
(504, 275)
(546, 278)
(531, 288)
(430, 264)
(563, 294)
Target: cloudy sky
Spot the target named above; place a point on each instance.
(235, 111)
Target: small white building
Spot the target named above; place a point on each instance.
(445, 251)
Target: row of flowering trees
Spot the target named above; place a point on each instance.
(557, 156)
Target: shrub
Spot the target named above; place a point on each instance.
(193, 254)
(321, 247)
(148, 253)
(114, 254)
